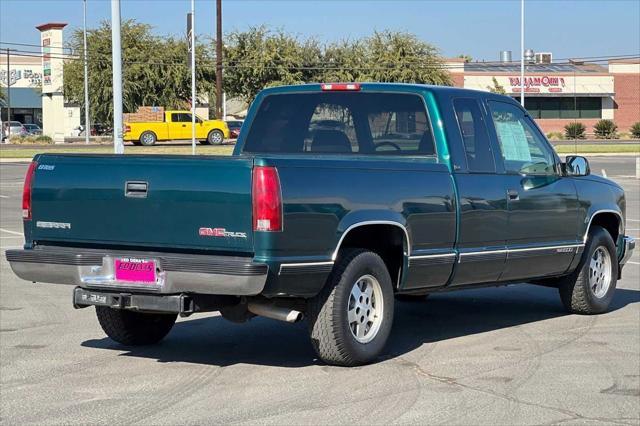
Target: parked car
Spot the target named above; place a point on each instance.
(99, 129)
(13, 128)
(329, 229)
(234, 128)
(33, 129)
(176, 125)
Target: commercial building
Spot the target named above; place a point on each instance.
(36, 86)
(560, 93)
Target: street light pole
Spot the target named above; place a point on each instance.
(219, 59)
(193, 78)
(8, 97)
(87, 126)
(116, 59)
(522, 53)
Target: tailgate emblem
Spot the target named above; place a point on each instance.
(220, 233)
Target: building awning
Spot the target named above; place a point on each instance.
(23, 97)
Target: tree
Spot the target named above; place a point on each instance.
(402, 58)
(260, 57)
(155, 70)
(497, 87)
(467, 58)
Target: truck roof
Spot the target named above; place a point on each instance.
(368, 86)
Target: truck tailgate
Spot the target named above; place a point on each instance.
(201, 203)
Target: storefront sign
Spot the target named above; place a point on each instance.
(533, 84)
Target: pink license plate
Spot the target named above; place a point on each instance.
(135, 270)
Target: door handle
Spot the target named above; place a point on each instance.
(513, 194)
(136, 189)
(184, 125)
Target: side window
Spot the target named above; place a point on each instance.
(523, 148)
(474, 136)
(180, 117)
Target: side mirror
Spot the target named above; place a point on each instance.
(576, 165)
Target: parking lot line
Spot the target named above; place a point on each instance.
(12, 232)
(4, 196)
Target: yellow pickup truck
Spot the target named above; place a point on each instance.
(176, 125)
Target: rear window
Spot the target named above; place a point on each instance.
(342, 123)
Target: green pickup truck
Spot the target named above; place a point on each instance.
(338, 200)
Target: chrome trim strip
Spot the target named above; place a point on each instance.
(431, 256)
(517, 250)
(546, 247)
(407, 249)
(473, 253)
(303, 264)
(294, 265)
(620, 225)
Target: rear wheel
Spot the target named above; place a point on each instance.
(215, 137)
(134, 328)
(590, 288)
(148, 138)
(350, 319)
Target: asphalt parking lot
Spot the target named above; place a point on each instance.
(492, 356)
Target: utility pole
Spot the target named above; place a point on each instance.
(193, 77)
(87, 125)
(522, 53)
(116, 59)
(219, 59)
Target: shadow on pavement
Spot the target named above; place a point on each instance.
(215, 341)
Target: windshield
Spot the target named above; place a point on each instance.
(342, 123)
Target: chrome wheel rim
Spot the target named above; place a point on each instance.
(600, 272)
(365, 309)
(216, 137)
(147, 138)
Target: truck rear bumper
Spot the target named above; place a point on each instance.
(176, 273)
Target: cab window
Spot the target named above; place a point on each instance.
(343, 123)
(474, 136)
(523, 148)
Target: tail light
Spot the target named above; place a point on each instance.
(26, 191)
(267, 200)
(340, 87)
(127, 128)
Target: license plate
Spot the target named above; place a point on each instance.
(135, 270)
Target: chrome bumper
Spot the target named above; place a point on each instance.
(629, 245)
(177, 273)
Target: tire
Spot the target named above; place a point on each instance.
(215, 137)
(411, 297)
(333, 336)
(148, 138)
(134, 328)
(590, 288)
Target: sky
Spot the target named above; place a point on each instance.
(479, 28)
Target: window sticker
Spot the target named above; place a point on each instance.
(513, 141)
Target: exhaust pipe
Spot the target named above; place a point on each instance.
(269, 310)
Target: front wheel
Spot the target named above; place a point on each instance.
(350, 319)
(215, 137)
(590, 288)
(134, 328)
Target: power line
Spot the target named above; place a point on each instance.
(561, 61)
